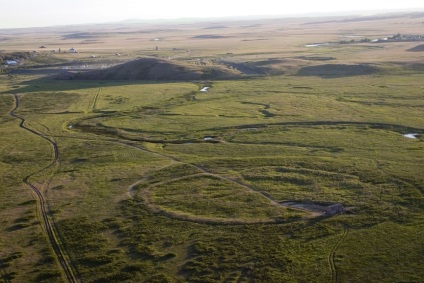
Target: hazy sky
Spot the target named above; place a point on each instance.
(33, 13)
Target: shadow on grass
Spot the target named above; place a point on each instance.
(329, 71)
(418, 48)
(51, 84)
(71, 81)
(18, 227)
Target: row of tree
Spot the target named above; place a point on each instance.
(363, 40)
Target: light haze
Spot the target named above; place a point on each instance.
(31, 13)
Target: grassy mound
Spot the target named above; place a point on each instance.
(154, 69)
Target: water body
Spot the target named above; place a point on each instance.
(352, 36)
(317, 44)
(411, 136)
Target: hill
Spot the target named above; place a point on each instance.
(418, 48)
(154, 69)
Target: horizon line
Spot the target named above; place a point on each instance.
(360, 13)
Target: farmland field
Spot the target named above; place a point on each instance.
(114, 180)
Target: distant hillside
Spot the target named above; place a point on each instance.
(154, 69)
(418, 48)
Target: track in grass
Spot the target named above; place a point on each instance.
(94, 102)
(333, 268)
(202, 171)
(65, 265)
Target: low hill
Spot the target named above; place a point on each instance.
(418, 48)
(154, 69)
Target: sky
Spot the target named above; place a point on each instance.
(38, 13)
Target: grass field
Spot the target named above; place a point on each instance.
(156, 181)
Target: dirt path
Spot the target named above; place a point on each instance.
(333, 268)
(50, 229)
(94, 102)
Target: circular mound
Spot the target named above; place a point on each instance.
(211, 199)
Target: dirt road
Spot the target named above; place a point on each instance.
(50, 230)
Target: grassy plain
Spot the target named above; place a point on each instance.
(159, 182)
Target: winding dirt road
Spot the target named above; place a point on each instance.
(50, 230)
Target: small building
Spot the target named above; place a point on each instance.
(73, 50)
(334, 209)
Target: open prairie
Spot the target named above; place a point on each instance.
(274, 150)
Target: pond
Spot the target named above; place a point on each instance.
(317, 44)
(411, 136)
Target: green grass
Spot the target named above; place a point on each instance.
(138, 195)
(210, 198)
(23, 244)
